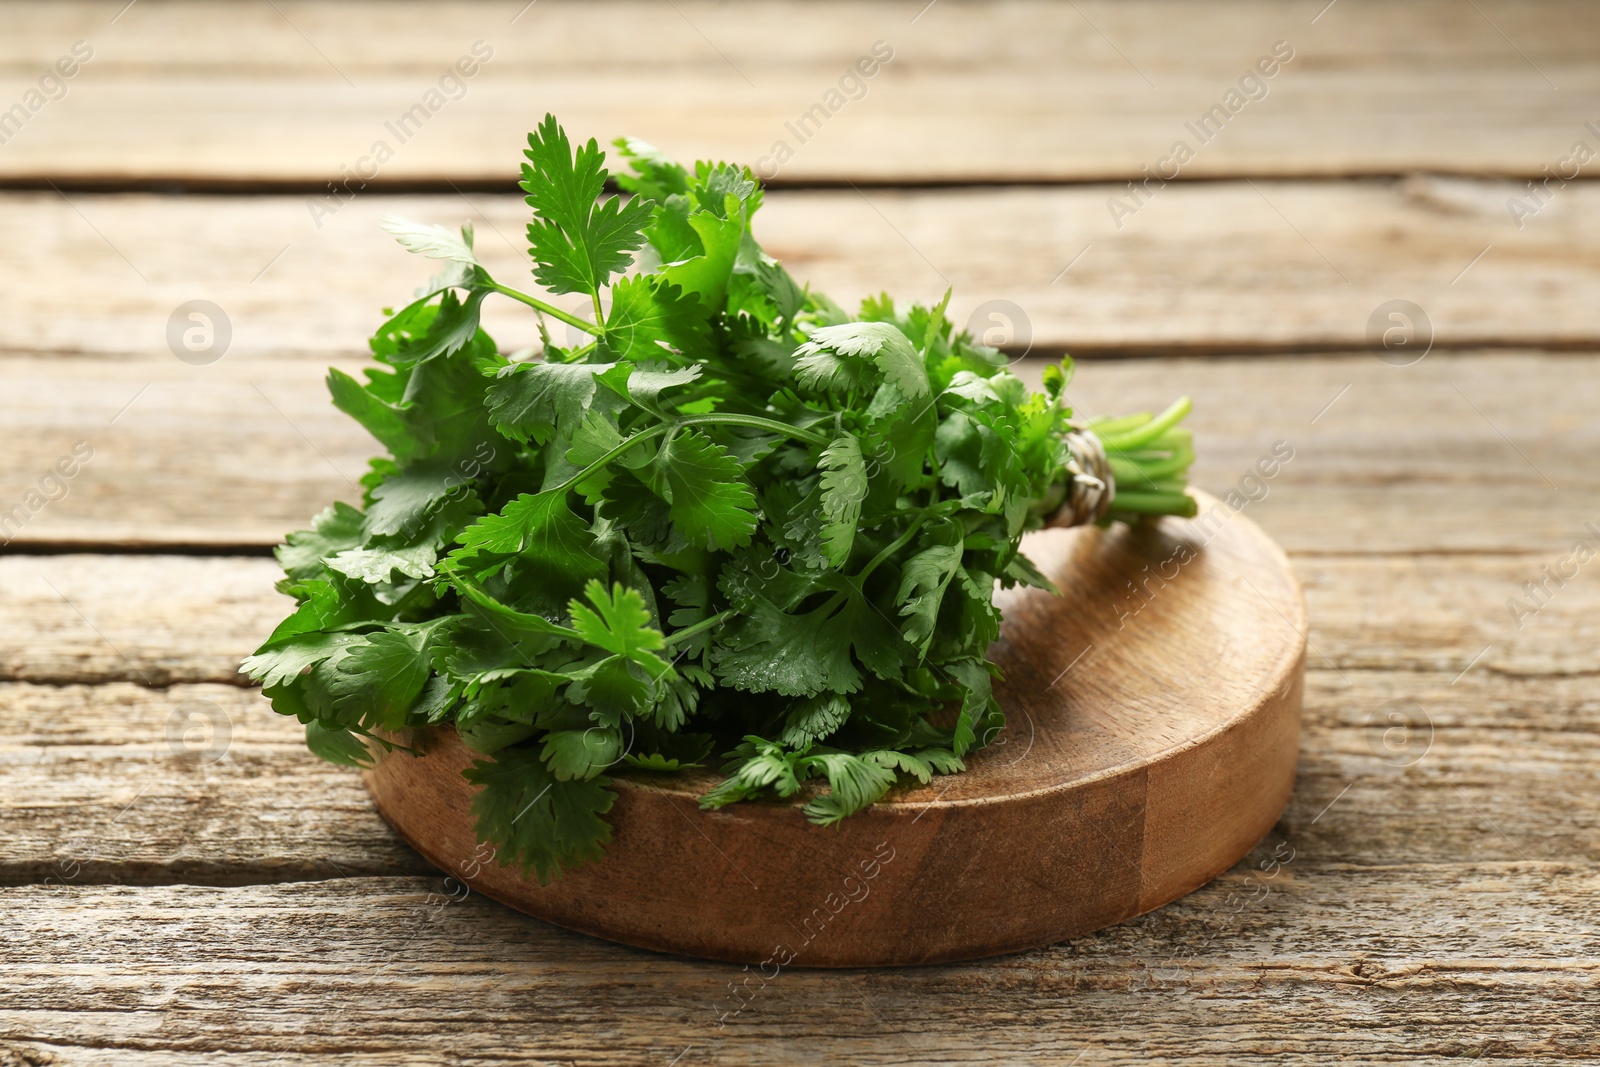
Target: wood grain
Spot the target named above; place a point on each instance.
(1437, 908)
(193, 783)
(1386, 459)
(1488, 960)
(118, 782)
(1215, 267)
(989, 92)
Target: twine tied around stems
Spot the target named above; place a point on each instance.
(1093, 487)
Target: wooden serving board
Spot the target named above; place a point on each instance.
(1153, 728)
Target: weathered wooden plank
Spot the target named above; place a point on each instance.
(1211, 267)
(1008, 91)
(1406, 459)
(205, 784)
(150, 620)
(1335, 965)
(192, 783)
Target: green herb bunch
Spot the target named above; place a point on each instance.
(735, 521)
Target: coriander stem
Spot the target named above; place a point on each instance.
(1155, 503)
(1130, 476)
(753, 421)
(641, 436)
(1135, 472)
(1178, 462)
(1151, 430)
(554, 312)
(756, 422)
(1110, 427)
(892, 547)
(700, 627)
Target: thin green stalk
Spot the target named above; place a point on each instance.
(1111, 426)
(1179, 461)
(1133, 478)
(755, 422)
(1164, 485)
(752, 421)
(891, 548)
(554, 312)
(1155, 503)
(700, 627)
(1149, 431)
(1125, 471)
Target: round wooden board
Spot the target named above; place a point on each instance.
(1153, 727)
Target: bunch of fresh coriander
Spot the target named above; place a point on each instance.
(734, 521)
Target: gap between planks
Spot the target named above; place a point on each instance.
(974, 92)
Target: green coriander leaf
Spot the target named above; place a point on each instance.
(671, 237)
(596, 435)
(710, 502)
(643, 383)
(844, 486)
(768, 650)
(582, 754)
(880, 342)
(577, 244)
(487, 736)
(818, 368)
(757, 766)
(922, 584)
(325, 603)
(379, 564)
(652, 319)
(334, 530)
(455, 323)
(615, 687)
(401, 502)
(937, 327)
(539, 823)
(978, 708)
(435, 242)
(289, 659)
(903, 431)
(787, 297)
(538, 401)
(679, 696)
(905, 762)
(507, 623)
(874, 638)
(813, 719)
(1022, 572)
(337, 745)
(378, 678)
(656, 762)
(706, 275)
(942, 760)
(853, 783)
(540, 526)
(654, 175)
(620, 624)
(383, 419)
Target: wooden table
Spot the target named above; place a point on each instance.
(183, 883)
